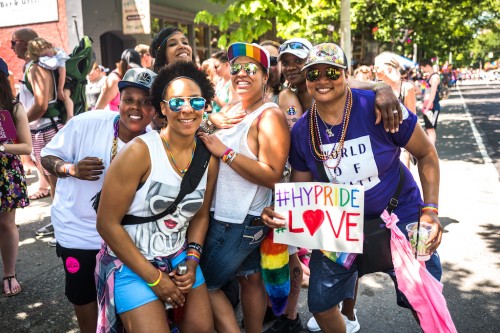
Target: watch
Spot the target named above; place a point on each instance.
(2, 147)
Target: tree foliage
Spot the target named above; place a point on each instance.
(437, 26)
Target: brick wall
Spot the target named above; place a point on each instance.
(54, 32)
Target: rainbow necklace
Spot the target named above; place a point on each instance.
(169, 150)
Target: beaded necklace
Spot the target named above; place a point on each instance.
(181, 171)
(315, 142)
(114, 146)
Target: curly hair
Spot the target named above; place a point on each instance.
(37, 47)
(158, 46)
(174, 71)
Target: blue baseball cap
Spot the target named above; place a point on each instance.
(3, 67)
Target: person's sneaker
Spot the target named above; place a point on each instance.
(351, 326)
(312, 325)
(285, 325)
(52, 242)
(45, 231)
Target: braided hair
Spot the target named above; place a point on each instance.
(159, 45)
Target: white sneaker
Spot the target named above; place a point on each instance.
(351, 326)
(312, 325)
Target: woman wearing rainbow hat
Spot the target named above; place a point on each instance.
(253, 153)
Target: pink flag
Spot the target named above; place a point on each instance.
(421, 289)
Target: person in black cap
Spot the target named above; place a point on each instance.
(110, 96)
(80, 169)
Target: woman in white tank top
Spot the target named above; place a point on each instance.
(254, 153)
(142, 181)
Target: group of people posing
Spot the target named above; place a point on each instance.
(135, 204)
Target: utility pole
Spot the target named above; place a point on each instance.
(345, 28)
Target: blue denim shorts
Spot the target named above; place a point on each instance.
(330, 283)
(131, 291)
(231, 249)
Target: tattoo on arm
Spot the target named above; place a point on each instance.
(53, 165)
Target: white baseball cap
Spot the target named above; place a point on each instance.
(299, 47)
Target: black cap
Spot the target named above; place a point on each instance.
(132, 58)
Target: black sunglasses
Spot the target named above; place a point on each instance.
(273, 61)
(176, 104)
(315, 74)
(250, 68)
(14, 42)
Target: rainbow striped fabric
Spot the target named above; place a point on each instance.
(344, 259)
(275, 272)
(253, 51)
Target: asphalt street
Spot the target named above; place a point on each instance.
(468, 146)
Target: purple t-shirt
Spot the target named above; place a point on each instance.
(370, 157)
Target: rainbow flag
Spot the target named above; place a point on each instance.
(275, 272)
(344, 259)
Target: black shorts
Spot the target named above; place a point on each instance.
(428, 124)
(79, 266)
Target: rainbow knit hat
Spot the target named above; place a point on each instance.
(253, 51)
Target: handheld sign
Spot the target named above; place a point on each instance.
(322, 216)
(7, 127)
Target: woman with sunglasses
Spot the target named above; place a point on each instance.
(325, 141)
(254, 153)
(146, 279)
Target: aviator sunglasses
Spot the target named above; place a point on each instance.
(293, 46)
(315, 74)
(176, 104)
(250, 68)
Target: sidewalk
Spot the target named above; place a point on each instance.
(469, 212)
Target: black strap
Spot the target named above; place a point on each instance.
(190, 181)
(393, 203)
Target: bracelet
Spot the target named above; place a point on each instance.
(430, 205)
(157, 280)
(192, 256)
(229, 156)
(67, 166)
(434, 209)
(195, 246)
(225, 155)
(56, 165)
(231, 159)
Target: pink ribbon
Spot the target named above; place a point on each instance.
(422, 290)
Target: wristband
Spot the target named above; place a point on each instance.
(195, 246)
(430, 205)
(229, 156)
(231, 159)
(157, 280)
(426, 208)
(67, 166)
(225, 155)
(192, 256)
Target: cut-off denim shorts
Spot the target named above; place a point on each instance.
(231, 249)
(331, 283)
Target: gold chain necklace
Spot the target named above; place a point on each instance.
(169, 150)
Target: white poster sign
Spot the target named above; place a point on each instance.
(321, 216)
(136, 17)
(21, 12)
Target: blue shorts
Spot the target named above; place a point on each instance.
(131, 291)
(330, 283)
(231, 249)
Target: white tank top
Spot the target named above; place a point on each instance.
(236, 197)
(167, 235)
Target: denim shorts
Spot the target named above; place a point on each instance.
(231, 249)
(131, 291)
(331, 283)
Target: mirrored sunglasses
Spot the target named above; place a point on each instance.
(176, 104)
(331, 74)
(293, 46)
(250, 68)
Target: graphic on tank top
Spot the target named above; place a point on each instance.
(167, 235)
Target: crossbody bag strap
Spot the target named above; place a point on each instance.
(393, 203)
(189, 183)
